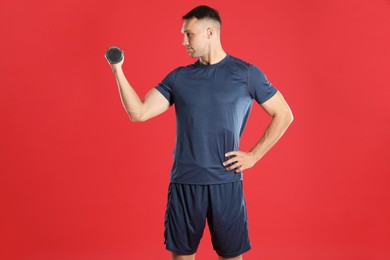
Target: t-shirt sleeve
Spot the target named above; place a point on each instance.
(166, 86)
(259, 86)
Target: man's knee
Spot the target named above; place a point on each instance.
(232, 258)
(183, 257)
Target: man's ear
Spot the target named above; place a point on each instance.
(210, 32)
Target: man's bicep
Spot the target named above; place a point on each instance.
(276, 105)
(154, 104)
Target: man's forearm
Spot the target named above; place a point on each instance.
(130, 100)
(274, 131)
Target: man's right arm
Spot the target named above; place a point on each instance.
(138, 110)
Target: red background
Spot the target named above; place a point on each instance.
(80, 181)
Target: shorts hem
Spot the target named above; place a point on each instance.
(235, 254)
(180, 253)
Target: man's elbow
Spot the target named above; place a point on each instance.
(287, 117)
(290, 117)
(136, 118)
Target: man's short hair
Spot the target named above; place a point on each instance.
(203, 12)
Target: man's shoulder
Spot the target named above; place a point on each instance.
(239, 63)
(182, 68)
(174, 72)
(234, 62)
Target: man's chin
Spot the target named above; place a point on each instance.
(193, 55)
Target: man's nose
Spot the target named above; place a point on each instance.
(185, 41)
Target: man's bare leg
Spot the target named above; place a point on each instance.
(232, 258)
(182, 257)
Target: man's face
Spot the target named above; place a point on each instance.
(195, 37)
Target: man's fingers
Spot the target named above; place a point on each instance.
(236, 165)
(235, 153)
(232, 160)
(239, 168)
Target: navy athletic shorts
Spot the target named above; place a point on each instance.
(223, 205)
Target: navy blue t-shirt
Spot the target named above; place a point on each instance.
(212, 104)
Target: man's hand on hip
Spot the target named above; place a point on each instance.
(240, 161)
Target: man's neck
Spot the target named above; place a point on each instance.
(213, 57)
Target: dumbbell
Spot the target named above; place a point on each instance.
(114, 55)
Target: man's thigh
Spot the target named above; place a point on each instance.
(224, 207)
(185, 217)
(227, 219)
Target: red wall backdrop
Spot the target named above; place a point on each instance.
(80, 181)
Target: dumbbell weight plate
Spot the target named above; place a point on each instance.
(114, 55)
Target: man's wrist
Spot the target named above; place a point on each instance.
(255, 157)
(117, 70)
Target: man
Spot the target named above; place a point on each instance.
(213, 98)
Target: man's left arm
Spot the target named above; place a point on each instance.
(282, 117)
